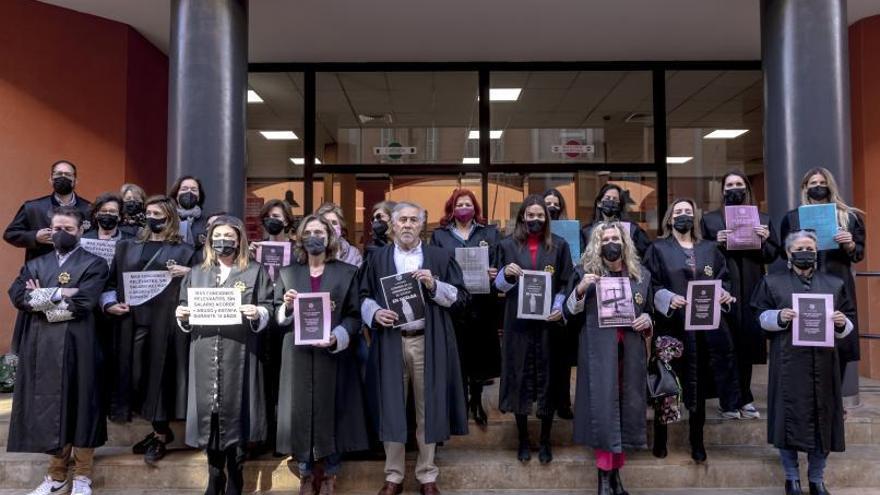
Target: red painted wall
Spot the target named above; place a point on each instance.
(77, 87)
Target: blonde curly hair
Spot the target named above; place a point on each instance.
(592, 261)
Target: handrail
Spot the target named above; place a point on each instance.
(867, 274)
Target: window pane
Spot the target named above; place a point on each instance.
(426, 114)
(571, 116)
(275, 125)
(715, 124)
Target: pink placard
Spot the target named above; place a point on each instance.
(703, 310)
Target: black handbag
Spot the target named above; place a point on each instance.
(662, 381)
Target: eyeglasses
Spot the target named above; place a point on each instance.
(58, 175)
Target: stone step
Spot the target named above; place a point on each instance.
(469, 469)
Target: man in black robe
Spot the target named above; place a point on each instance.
(56, 405)
(422, 352)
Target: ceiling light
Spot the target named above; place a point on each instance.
(725, 133)
(678, 159)
(302, 161)
(504, 94)
(470, 160)
(253, 97)
(279, 135)
(496, 134)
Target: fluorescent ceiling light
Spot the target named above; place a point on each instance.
(302, 161)
(279, 135)
(725, 133)
(470, 160)
(678, 159)
(253, 97)
(494, 134)
(504, 94)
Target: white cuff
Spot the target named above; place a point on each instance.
(574, 304)
(342, 339)
(281, 316)
(444, 294)
(846, 330)
(263, 321)
(368, 311)
(663, 301)
(108, 297)
(501, 283)
(770, 320)
(184, 329)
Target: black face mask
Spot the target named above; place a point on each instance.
(380, 228)
(187, 200)
(535, 226)
(683, 223)
(156, 225)
(106, 221)
(223, 247)
(273, 226)
(818, 193)
(314, 245)
(612, 251)
(735, 196)
(64, 242)
(554, 212)
(610, 208)
(62, 185)
(803, 259)
(132, 208)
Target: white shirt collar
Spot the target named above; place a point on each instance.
(63, 257)
(413, 251)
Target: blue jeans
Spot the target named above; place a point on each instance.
(332, 465)
(815, 468)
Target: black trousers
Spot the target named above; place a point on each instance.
(225, 466)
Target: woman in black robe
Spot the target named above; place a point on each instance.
(525, 351)
(745, 268)
(610, 206)
(149, 360)
(133, 210)
(321, 403)
(708, 365)
(805, 406)
(819, 187)
(611, 393)
(226, 407)
(476, 325)
(189, 195)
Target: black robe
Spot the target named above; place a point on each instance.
(839, 263)
(638, 235)
(445, 411)
(197, 230)
(745, 268)
(57, 398)
(321, 401)
(156, 391)
(34, 215)
(526, 357)
(707, 367)
(476, 326)
(608, 414)
(804, 393)
(233, 351)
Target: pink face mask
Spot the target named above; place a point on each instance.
(464, 214)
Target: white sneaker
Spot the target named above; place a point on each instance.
(51, 487)
(749, 411)
(730, 414)
(81, 486)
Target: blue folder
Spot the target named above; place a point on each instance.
(821, 219)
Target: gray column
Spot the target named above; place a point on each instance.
(806, 96)
(207, 98)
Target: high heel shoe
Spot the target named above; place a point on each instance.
(478, 412)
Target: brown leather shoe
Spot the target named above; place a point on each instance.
(307, 485)
(429, 489)
(328, 485)
(390, 488)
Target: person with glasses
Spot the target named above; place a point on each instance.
(149, 361)
(380, 227)
(819, 187)
(805, 405)
(746, 267)
(30, 228)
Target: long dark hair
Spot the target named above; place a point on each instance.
(750, 197)
(624, 201)
(449, 209)
(563, 214)
(175, 188)
(521, 232)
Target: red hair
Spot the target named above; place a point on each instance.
(449, 209)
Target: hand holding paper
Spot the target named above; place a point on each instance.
(763, 232)
(642, 323)
(513, 271)
(425, 277)
(182, 313)
(586, 281)
(249, 311)
(786, 315)
(289, 297)
(839, 319)
(677, 302)
(385, 317)
(726, 298)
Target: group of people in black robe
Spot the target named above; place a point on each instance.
(87, 355)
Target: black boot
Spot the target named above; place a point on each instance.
(661, 432)
(617, 483)
(793, 487)
(476, 403)
(524, 452)
(818, 489)
(695, 426)
(604, 483)
(216, 473)
(545, 455)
